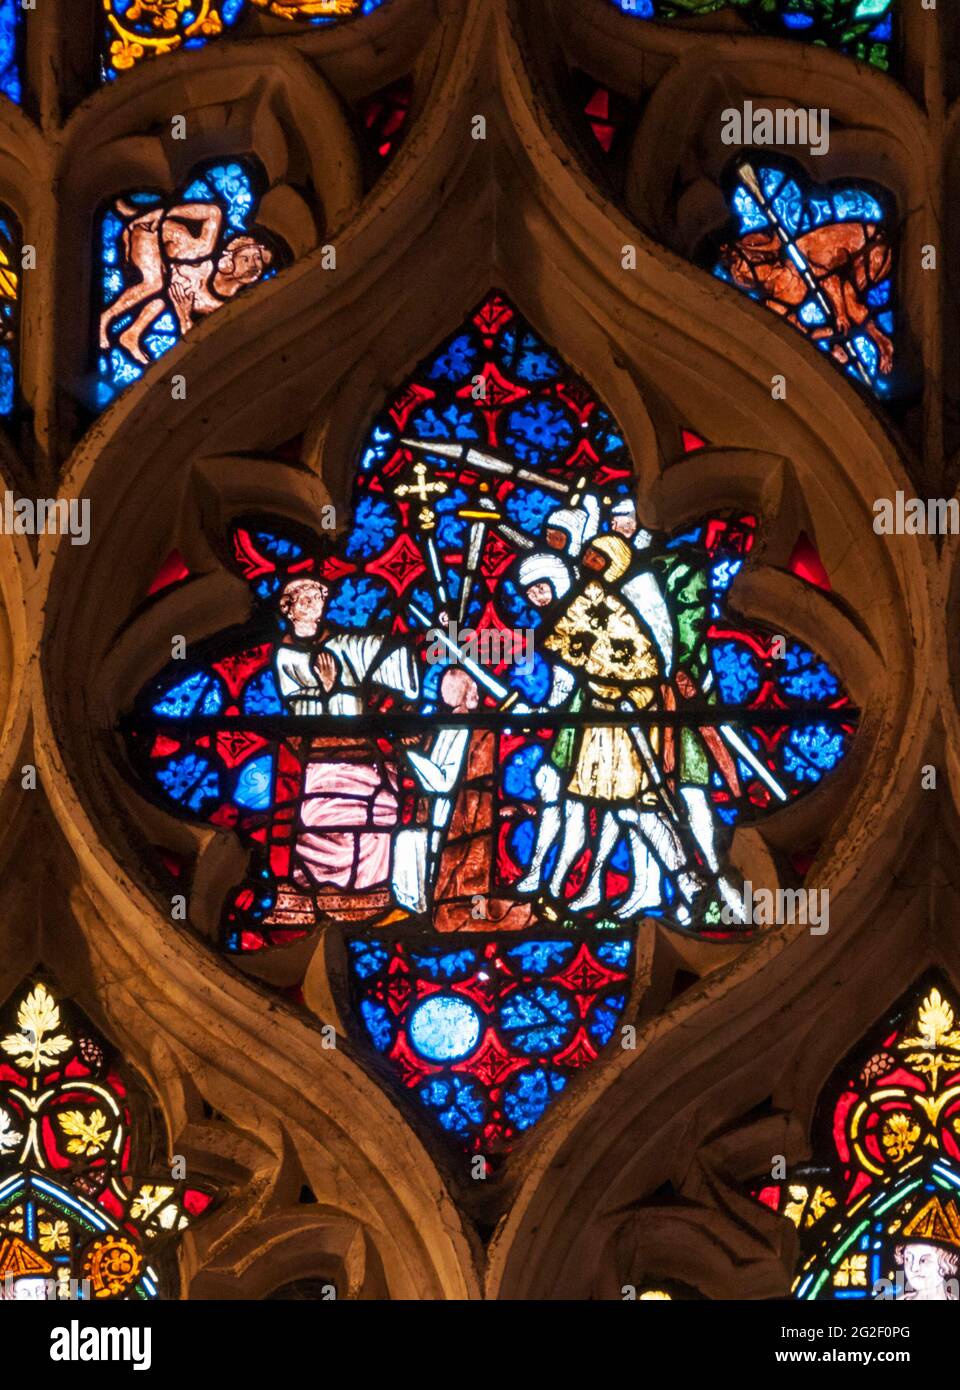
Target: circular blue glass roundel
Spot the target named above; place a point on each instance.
(444, 1028)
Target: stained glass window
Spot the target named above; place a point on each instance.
(384, 116)
(598, 112)
(11, 49)
(820, 256)
(878, 1208)
(861, 28)
(497, 703)
(10, 251)
(138, 29)
(82, 1214)
(607, 114)
(169, 261)
(317, 11)
(488, 1035)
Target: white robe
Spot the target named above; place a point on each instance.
(348, 811)
(356, 660)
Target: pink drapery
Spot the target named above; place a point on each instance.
(337, 842)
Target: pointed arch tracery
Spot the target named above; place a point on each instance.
(83, 1201)
(308, 356)
(876, 1208)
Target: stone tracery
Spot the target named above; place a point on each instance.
(304, 358)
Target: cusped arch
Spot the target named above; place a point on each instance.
(83, 1130)
(278, 1256)
(262, 367)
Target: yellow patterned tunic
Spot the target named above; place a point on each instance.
(598, 634)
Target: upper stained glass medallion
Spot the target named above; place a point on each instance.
(863, 29)
(135, 30)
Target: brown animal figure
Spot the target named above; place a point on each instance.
(846, 259)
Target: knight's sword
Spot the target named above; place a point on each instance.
(488, 463)
(479, 674)
(437, 572)
(749, 757)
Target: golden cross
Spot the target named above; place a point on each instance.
(421, 488)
